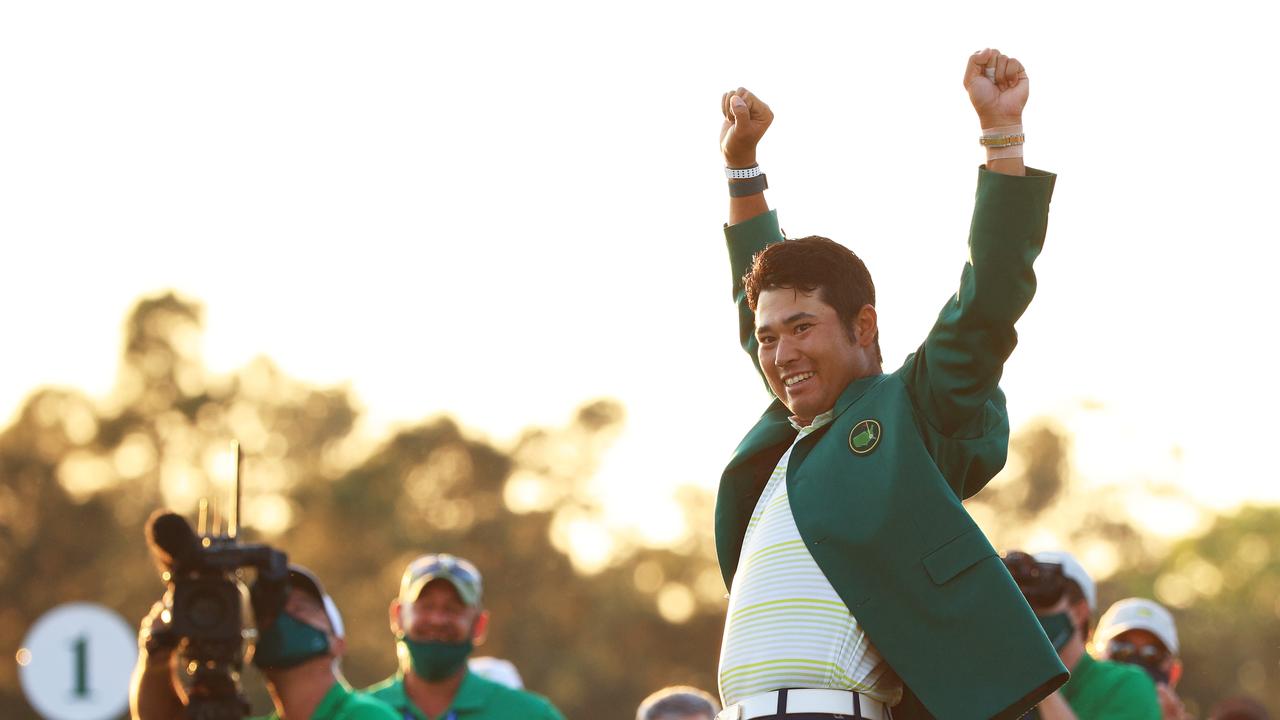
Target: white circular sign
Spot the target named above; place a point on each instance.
(75, 663)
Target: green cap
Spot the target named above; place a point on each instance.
(463, 575)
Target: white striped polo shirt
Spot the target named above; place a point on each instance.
(786, 626)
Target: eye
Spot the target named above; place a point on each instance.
(767, 340)
(801, 327)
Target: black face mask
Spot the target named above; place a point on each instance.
(289, 642)
(1160, 676)
(435, 661)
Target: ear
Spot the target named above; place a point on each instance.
(1080, 616)
(337, 646)
(480, 630)
(394, 611)
(1175, 673)
(866, 327)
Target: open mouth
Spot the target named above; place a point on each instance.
(797, 379)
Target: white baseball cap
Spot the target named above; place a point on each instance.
(1138, 614)
(1074, 571)
(306, 580)
(498, 670)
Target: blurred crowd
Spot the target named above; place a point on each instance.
(1124, 665)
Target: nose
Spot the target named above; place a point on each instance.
(784, 352)
(432, 617)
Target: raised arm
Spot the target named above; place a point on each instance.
(957, 370)
(746, 118)
(751, 224)
(998, 88)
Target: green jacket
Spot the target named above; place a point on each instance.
(887, 527)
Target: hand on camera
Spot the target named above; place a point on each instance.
(155, 633)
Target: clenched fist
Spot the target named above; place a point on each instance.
(998, 100)
(746, 118)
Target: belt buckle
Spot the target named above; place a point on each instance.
(733, 712)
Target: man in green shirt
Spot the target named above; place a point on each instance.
(1142, 632)
(1063, 597)
(297, 651)
(437, 619)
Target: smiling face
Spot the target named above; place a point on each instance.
(807, 354)
(439, 615)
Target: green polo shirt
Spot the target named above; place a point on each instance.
(343, 703)
(1105, 690)
(477, 699)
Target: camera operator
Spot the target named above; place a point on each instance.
(298, 653)
(1063, 597)
(1142, 632)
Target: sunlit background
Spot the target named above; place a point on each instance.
(500, 212)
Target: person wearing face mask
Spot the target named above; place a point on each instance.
(1142, 632)
(298, 652)
(1063, 597)
(438, 620)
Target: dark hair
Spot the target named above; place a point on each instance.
(815, 264)
(677, 701)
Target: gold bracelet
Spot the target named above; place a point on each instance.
(1000, 141)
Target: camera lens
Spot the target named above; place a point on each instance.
(208, 611)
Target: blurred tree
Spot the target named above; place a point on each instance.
(1037, 498)
(585, 641)
(594, 620)
(79, 476)
(1223, 588)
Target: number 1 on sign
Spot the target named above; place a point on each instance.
(81, 670)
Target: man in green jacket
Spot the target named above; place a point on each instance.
(438, 619)
(860, 587)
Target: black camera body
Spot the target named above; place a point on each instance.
(206, 618)
(1041, 583)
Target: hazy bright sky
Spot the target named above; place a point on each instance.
(501, 210)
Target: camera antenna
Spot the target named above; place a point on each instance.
(233, 526)
(202, 522)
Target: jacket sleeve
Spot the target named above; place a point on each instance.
(957, 369)
(745, 240)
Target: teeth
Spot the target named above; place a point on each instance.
(797, 378)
